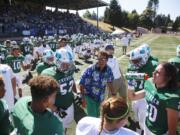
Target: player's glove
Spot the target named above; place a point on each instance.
(131, 84)
(78, 99)
(61, 112)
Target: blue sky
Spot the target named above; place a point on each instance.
(166, 7)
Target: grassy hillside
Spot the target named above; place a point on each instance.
(104, 26)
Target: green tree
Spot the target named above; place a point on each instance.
(162, 20)
(124, 19)
(145, 21)
(114, 13)
(87, 14)
(106, 15)
(176, 24)
(133, 18)
(153, 5)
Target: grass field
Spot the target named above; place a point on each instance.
(163, 47)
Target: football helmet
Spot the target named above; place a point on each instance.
(147, 49)
(138, 58)
(13, 43)
(26, 41)
(51, 38)
(48, 57)
(178, 50)
(63, 60)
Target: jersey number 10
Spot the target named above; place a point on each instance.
(152, 112)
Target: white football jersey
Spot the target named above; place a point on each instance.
(91, 126)
(7, 74)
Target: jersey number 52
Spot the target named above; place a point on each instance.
(66, 87)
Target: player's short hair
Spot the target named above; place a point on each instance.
(42, 86)
(62, 39)
(171, 74)
(1, 80)
(15, 47)
(103, 53)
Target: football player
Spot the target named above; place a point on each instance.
(27, 50)
(140, 64)
(162, 98)
(48, 61)
(3, 53)
(16, 61)
(6, 125)
(63, 73)
(52, 43)
(31, 114)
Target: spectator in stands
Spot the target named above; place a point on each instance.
(21, 20)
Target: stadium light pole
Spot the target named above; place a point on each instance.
(97, 18)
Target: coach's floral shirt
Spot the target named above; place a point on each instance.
(95, 81)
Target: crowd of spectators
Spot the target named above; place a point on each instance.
(19, 20)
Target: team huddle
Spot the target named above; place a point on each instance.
(99, 103)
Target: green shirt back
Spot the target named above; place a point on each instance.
(5, 123)
(28, 122)
(64, 97)
(42, 66)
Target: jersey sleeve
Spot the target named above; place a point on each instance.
(173, 103)
(8, 60)
(1, 111)
(38, 69)
(11, 72)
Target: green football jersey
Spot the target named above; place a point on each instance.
(26, 49)
(5, 123)
(148, 69)
(64, 97)
(42, 66)
(152, 58)
(176, 62)
(3, 54)
(15, 62)
(28, 122)
(53, 46)
(158, 101)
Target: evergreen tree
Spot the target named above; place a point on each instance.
(176, 24)
(87, 14)
(114, 13)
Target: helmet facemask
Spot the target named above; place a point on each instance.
(48, 57)
(63, 60)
